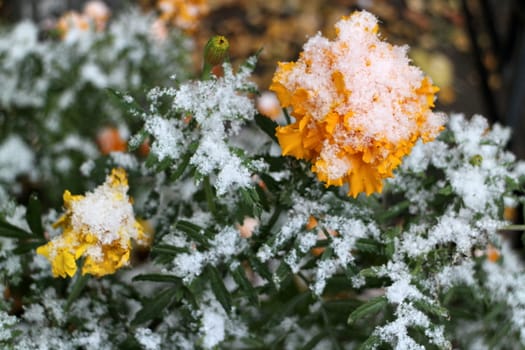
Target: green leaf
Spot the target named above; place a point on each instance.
(11, 231)
(250, 198)
(154, 307)
(267, 125)
(156, 277)
(434, 309)
(369, 272)
(393, 211)
(240, 278)
(124, 100)
(314, 340)
(370, 307)
(253, 343)
(370, 343)
(445, 191)
(289, 306)
(34, 215)
(151, 160)
(168, 249)
(194, 231)
(219, 289)
(282, 272)
(369, 245)
(262, 270)
(184, 162)
(78, 285)
(210, 195)
(503, 331)
(24, 247)
(136, 141)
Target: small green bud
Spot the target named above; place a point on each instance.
(476, 160)
(216, 50)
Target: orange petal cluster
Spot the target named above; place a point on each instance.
(359, 106)
(95, 13)
(183, 14)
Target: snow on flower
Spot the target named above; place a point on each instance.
(98, 227)
(359, 106)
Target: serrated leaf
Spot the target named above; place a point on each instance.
(219, 289)
(34, 215)
(371, 307)
(153, 308)
(155, 277)
(240, 278)
(11, 231)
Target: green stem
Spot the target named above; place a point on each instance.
(210, 197)
(287, 116)
(78, 286)
(513, 228)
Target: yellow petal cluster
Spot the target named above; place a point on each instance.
(97, 227)
(358, 104)
(184, 14)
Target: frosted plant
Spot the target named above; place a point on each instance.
(242, 246)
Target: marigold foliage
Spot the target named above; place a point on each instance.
(359, 106)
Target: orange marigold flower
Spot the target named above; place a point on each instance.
(493, 253)
(184, 14)
(359, 106)
(109, 140)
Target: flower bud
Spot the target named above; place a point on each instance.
(476, 160)
(216, 50)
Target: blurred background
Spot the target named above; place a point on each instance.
(474, 50)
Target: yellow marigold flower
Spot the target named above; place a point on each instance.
(184, 14)
(359, 106)
(72, 20)
(97, 227)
